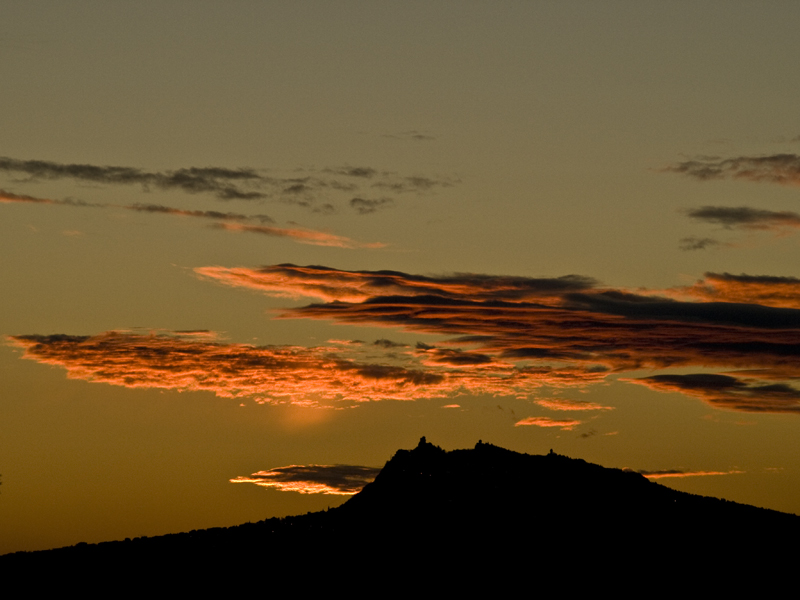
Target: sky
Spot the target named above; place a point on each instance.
(270, 243)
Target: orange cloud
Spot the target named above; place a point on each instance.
(570, 405)
(329, 284)
(751, 289)
(565, 424)
(305, 236)
(564, 330)
(8, 197)
(298, 375)
(676, 473)
(340, 480)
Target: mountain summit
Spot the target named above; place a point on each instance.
(446, 509)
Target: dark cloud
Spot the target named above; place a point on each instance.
(745, 217)
(343, 480)
(387, 344)
(316, 190)
(206, 214)
(324, 209)
(729, 392)
(412, 184)
(221, 182)
(456, 358)
(654, 308)
(363, 172)
(297, 188)
(776, 168)
(365, 206)
(695, 243)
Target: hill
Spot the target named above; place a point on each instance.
(485, 506)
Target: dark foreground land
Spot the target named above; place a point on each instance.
(465, 514)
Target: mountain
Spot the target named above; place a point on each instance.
(484, 508)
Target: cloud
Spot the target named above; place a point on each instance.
(456, 358)
(304, 236)
(783, 169)
(206, 214)
(329, 284)
(504, 336)
(363, 172)
(222, 182)
(271, 374)
(745, 217)
(696, 243)
(414, 135)
(342, 480)
(766, 290)
(318, 190)
(570, 405)
(387, 344)
(414, 184)
(7, 197)
(725, 391)
(560, 331)
(364, 206)
(666, 473)
(564, 424)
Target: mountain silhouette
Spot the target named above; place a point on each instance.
(476, 510)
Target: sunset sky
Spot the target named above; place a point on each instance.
(271, 243)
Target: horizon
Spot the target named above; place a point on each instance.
(271, 244)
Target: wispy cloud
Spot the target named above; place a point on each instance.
(364, 206)
(564, 424)
(7, 197)
(783, 169)
(224, 183)
(361, 172)
(668, 473)
(224, 220)
(317, 190)
(205, 214)
(696, 243)
(570, 405)
(304, 236)
(342, 480)
(745, 217)
(412, 184)
(412, 134)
